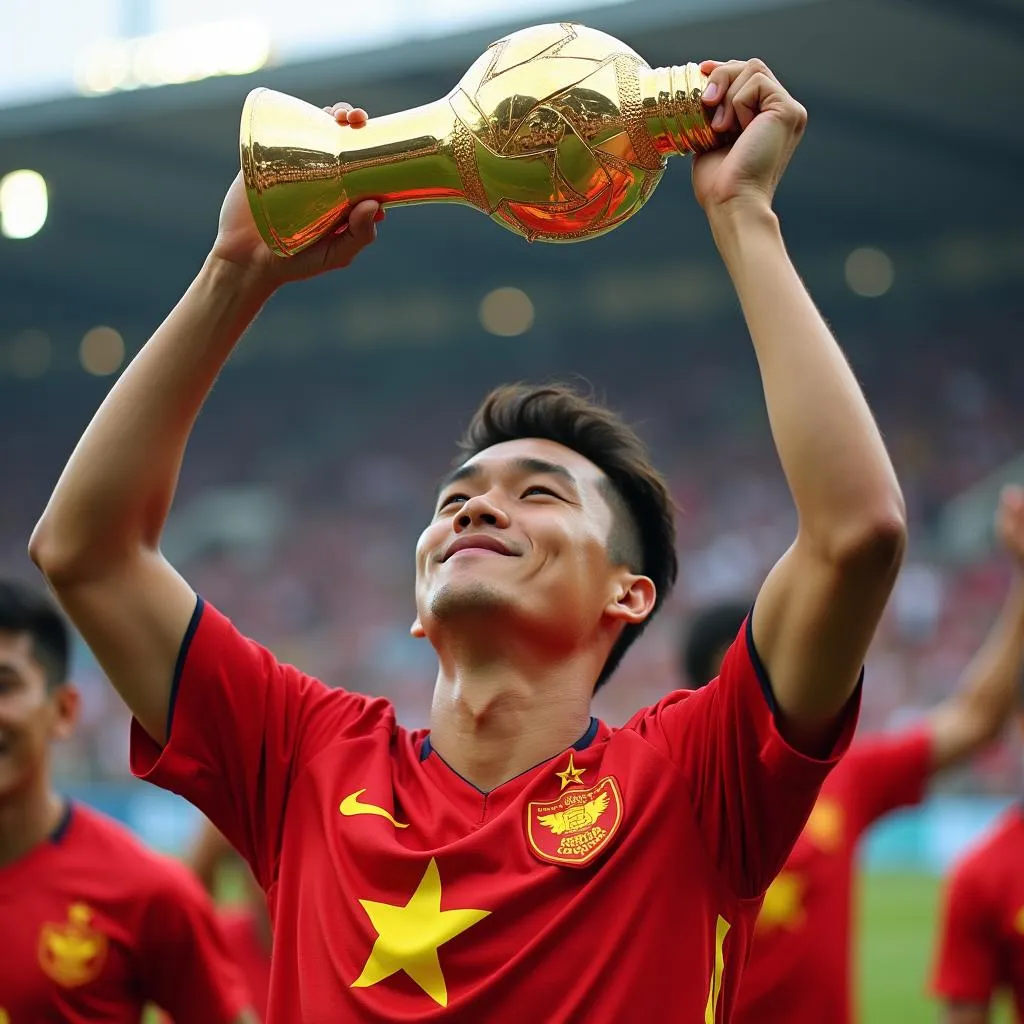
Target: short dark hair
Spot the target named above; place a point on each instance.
(710, 631)
(27, 609)
(643, 535)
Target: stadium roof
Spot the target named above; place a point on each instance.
(915, 144)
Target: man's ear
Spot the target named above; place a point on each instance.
(632, 600)
(67, 706)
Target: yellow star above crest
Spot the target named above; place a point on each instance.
(408, 937)
(571, 775)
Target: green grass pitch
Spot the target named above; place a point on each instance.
(898, 914)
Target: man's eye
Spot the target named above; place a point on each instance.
(452, 498)
(538, 489)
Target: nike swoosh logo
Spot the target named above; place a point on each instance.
(351, 805)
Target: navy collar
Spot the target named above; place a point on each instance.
(581, 744)
(58, 834)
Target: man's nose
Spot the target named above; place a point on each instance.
(481, 510)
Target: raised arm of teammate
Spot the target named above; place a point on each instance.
(986, 696)
(820, 605)
(98, 541)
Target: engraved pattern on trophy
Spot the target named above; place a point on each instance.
(555, 154)
(627, 82)
(463, 148)
(558, 132)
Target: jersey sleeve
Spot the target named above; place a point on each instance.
(967, 961)
(750, 791)
(185, 965)
(241, 727)
(886, 773)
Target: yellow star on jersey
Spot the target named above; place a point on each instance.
(783, 903)
(571, 775)
(408, 937)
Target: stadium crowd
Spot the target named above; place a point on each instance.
(330, 588)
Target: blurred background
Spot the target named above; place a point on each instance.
(313, 467)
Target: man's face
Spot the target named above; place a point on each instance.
(31, 715)
(520, 530)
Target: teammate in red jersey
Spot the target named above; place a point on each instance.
(246, 923)
(981, 947)
(521, 859)
(94, 925)
(800, 965)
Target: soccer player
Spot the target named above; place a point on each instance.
(245, 924)
(95, 926)
(800, 965)
(981, 947)
(519, 859)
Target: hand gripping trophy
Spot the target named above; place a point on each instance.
(557, 132)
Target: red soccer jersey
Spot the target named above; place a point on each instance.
(982, 940)
(616, 881)
(95, 926)
(801, 960)
(250, 948)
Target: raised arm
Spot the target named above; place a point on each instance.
(98, 541)
(820, 605)
(986, 696)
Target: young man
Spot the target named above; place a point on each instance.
(520, 857)
(95, 926)
(800, 965)
(245, 923)
(981, 948)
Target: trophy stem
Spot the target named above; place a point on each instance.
(670, 101)
(304, 172)
(403, 158)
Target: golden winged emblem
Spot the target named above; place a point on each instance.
(573, 819)
(573, 829)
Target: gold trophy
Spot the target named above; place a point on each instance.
(557, 132)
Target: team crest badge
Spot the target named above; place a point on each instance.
(575, 828)
(72, 953)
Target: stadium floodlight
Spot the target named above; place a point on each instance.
(174, 57)
(101, 351)
(506, 312)
(23, 203)
(869, 272)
